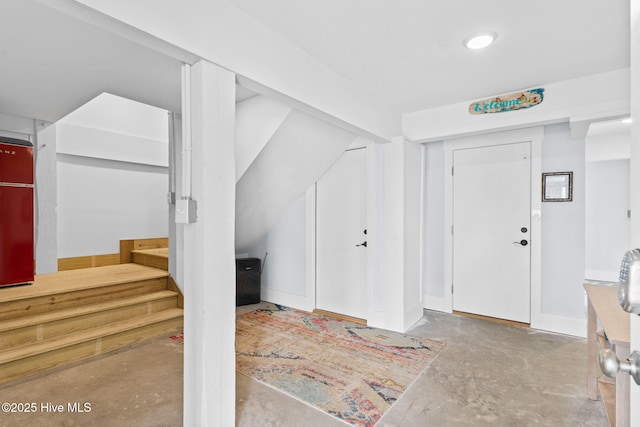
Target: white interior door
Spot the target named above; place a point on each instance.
(635, 388)
(340, 228)
(491, 229)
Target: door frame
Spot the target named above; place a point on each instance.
(478, 288)
(534, 135)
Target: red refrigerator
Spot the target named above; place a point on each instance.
(16, 212)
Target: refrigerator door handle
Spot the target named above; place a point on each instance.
(15, 184)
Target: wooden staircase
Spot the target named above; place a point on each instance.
(73, 315)
(156, 258)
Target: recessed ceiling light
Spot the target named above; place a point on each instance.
(627, 120)
(480, 39)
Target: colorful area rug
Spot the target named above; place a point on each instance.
(179, 338)
(350, 371)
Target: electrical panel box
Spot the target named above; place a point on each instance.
(186, 211)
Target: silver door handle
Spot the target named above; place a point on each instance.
(610, 365)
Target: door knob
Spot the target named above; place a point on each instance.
(521, 242)
(363, 244)
(610, 365)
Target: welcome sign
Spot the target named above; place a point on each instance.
(511, 102)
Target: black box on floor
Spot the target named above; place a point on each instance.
(247, 281)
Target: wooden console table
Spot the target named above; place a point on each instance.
(603, 306)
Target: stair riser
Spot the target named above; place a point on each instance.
(52, 359)
(35, 333)
(46, 304)
(151, 261)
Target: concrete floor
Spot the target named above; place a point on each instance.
(488, 375)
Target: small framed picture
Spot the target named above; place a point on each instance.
(557, 187)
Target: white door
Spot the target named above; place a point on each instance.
(340, 228)
(491, 229)
(635, 388)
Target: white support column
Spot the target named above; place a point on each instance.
(46, 232)
(209, 254)
(402, 230)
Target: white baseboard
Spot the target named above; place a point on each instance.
(560, 324)
(436, 303)
(376, 319)
(299, 302)
(544, 321)
(541, 321)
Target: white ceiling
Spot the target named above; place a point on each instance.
(408, 53)
(51, 63)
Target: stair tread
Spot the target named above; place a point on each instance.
(32, 349)
(36, 319)
(85, 278)
(159, 252)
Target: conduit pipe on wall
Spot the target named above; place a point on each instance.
(172, 158)
(187, 145)
(186, 206)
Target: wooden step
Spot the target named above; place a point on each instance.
(73, 315)
(28, 359)
(127, 246)
(156, 258)
(30, 329)
(67, 289)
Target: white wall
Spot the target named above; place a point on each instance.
(299, 152)
(113, 113)
(257, 120)
(433, 228)
(16, 126)
(607, 152)
(606, 220)
(112, 173)
(608, 145)
(563, 228)
(101, 202)
(284, 270)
